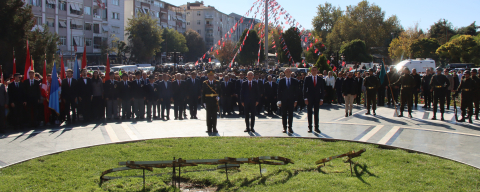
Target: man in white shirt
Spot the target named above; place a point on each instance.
(329, 88)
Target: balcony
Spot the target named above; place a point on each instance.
(208, 16)
(208, 26)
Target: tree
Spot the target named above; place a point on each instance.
(310, 55)
(294, 45)
(425, 48)
(17, 21)
(468, 30)
(442, 30)
(463, 49)
(249, 53)
(273, 35)
(324, 21)
(355, 51)
(174, 42)
(322, 63)
(399, 48)
(195, 45)
(225, 53)
(145, 37)
(42, 43)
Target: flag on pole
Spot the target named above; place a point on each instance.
(107, 70)
(28, 63)
(44, 92)
(84, 57)
(382, 74)
(76, 73)
(54, 89)
(62, 68)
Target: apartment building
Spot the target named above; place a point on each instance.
(80, 22)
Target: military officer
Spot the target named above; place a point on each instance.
(407, 82)
(467, 87)
(210, 97)
(476, 100)
(438, 84)
(372, 84)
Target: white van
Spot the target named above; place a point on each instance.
(143, 65)
(420, 64)
(126, 68)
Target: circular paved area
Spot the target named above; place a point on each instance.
(458, 141)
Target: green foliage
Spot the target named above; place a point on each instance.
(195, 44)
(442, 30)
(174, 41)
(464, 49)
(145, 37)
(226, 53)
(425, 48)
(400, 46)
(249, 53)
(294, 45)
(17, 21)
(468, 30)
(42, 43)
(355, 51)
(310, 55)
(324, 21)
(322, 64)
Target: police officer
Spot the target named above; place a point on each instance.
(372, 84)
(407, 82)
(210, 97)
(437, 86)
(467, 87)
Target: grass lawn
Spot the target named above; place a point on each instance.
(376, 170)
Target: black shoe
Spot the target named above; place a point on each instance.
(401, 115)
(180, 118)
(374, 113)
(350, 114)
(253, 130)
(470, 120)
(310, 130)
(215, 131)
(434, 118)
(461, 120)
(476, 117)
(346, 114)
(176, 118)
(247, 130)
(290, 130)
(284, 130)
(442, 119)
(367, 113)
(317, 130)
(208, 131)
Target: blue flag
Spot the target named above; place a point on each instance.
(54, 90)
(76, 73)
(382, 74)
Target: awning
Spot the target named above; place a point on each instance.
(105, 28)
(72, 6)
(62, 24)
(75, 40)
(77, 6)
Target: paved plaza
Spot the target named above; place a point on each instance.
(457, 141)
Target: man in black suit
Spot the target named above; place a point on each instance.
(111, 94)
(126, 96)
(287, 99)
(270, 95)
(32, 97)
(194, 91)
(179, 95)
(226, 94)
(313, 91)
(69, 96)
(85, 95)
(152, 94)
(249, 97)
(261, 90)
(165, 96)
(138, 96)
(238, 85)
(17, 101)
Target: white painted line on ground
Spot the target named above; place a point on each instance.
(129, 132)
(389, 135)
(433, 130)
(111, 133)
(371, 133)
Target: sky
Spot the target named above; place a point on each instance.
(459, 12)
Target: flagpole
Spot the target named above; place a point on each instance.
(391, 90)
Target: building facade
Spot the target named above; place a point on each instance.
(78, 22)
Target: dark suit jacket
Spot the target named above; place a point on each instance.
(270, 91)
(137, 90)
(311, 92)
(69, 92)
(16, 94)
(194, 90)
(165, 92)
(85, 91)
(238, 86)
(152, 93)
(112, 89)
(287, 95)
(124, 91)
(249, 96)
(227, 91)
(179, 91)
(261, 88)
(32, 92)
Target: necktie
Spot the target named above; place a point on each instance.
(288, 83)
(31, 82)
(179, 83)
(314, 81)
(69, 82)
(138, 82)
(16, 84)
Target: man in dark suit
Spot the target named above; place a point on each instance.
(249, 97)
(69, 96)
(138, 96)
(238, 85)
(126, 96)
(152, 94)
(16, 93)
(287, 99)
(112, 96)
(179, 95)
(194, 89)
(226, 94)
(261, 90)
(165, 96)
(85, 95)
(270, 95)
(313, 92)
(3, 106)
(32, 97)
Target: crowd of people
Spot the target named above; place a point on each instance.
(249, 91)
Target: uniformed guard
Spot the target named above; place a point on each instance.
(467, 87)
(372, 84)
(407, 83)
(438, 84)
(210, 97)
(476, 100)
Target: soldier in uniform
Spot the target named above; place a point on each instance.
(372, 84)
(210, 97)
(476, 92)
(467, 87)
(426, 88)
(437, 86)
(407, 82)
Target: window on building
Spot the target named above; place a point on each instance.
(115, 30)
(63, 40)
(96, 28)
(198, 13)
(76, 9)
(115, 2)
(62, 6)
(51, 22)
(50, 4)
(97, 42)
(169, 17)
(88, 26)
(199, 31)
(87, 10)
(198, 22)
(115, 15)
(62, 24)
(157, 14)
(158, 4)
(38, 21)
(88, 41)
(36, 3)
(207, 22)
(77, 41)
(188, 22)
